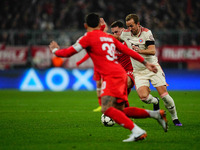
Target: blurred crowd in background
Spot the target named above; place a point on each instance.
(37, 22)
(69, 14)
(32, 21)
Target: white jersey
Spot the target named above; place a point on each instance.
(142, 40)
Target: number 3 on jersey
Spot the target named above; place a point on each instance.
(111, 50)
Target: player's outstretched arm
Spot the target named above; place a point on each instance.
(151, 50)
(104, 26)
(124, 49)
(66, 52)
(82, 60)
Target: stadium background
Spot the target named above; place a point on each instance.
(65, 120)
(27, 27)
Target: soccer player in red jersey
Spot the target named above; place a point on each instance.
(97, 77)
(101, 47)
(116, 27)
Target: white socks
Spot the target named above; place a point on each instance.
(136, 129)
(151, 100)
(153, 114)
(169, 104)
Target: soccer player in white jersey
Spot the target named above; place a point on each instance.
(141, 40)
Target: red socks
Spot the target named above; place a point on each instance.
(134, 112)
(119, 117)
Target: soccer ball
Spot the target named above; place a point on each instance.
(107, 121)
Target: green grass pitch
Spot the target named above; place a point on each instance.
(65, 121)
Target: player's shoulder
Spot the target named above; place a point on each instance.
(103, 36)
(125, 32)
(92, 34)
(143, 29)
(111, 37)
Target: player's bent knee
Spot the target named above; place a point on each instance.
(143, 97)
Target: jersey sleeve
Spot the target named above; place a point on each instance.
(102, 27)
(65, 52)
(83, 59)
(122, 35)
(124, 49)
(125, 44)
(149, 38)
(81, 43)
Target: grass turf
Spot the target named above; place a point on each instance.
(64, 120)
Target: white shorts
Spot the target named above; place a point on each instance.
(144, 77)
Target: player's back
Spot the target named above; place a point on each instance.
(102, 50)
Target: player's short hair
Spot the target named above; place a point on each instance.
(117, 23)
(92, 20)
(134, 17)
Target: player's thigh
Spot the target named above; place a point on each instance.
(115, 86)
(158, 79)
(130, 83)
(130, 80)
(141, 79)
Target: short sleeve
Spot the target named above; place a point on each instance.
(81, 43)
(149, 36)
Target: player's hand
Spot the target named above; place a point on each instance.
(102, 22)
(151, 67)
(53, 45)
(136, 48)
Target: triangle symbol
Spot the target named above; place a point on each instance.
(31, 82)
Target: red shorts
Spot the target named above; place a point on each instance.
(115, 86)
(130, 74)
(96, 75)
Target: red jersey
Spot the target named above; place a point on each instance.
(125, 61)
(102, 50)
(101, 47)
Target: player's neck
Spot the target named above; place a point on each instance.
(89, 29)
(139, 29)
